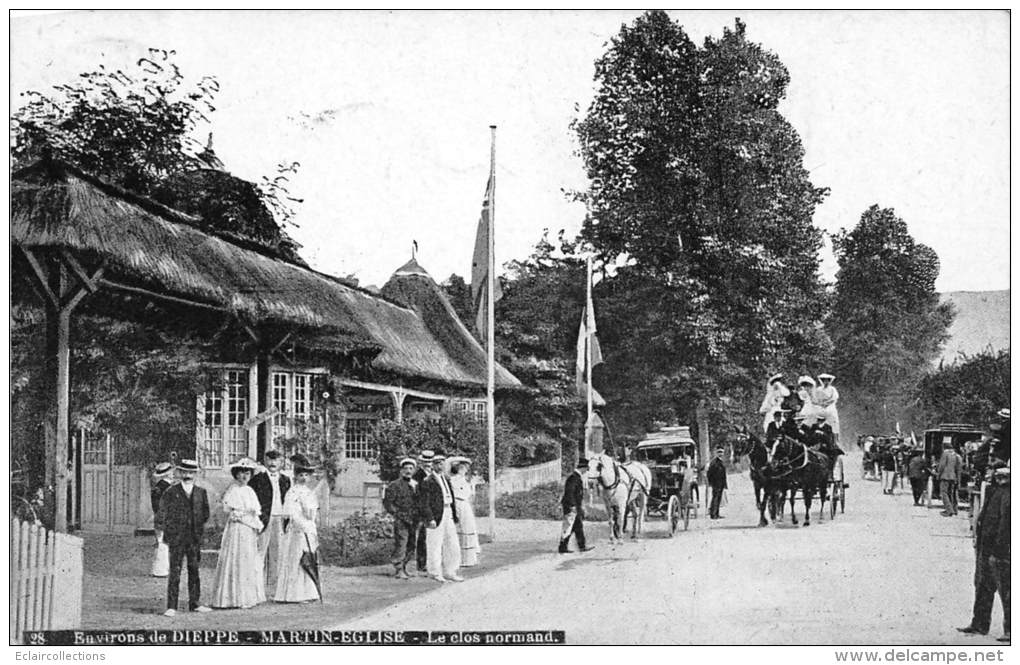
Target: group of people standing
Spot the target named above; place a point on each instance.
(270, 526)
(433, 516)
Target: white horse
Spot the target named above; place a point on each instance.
(624, 488)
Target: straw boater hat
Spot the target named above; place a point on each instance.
(775, 377)
(406, 461)
(1003, 413)
(245, 463)
(187, 465)
(162, 470)
(426, 456)
(826, 377)
(301, 464)
(805, 379)
(458, 459)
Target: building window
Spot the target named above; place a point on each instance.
(473, 407)
(292, 397)
(363, 413)
(224, 439)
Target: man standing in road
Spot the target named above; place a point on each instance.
(573, 509)
(717, 481)
(439, 513)
(420, 549)
(401, 501)
(183, 512)
(917, 473)
(948, 472)
(271, 488)
(992, 568)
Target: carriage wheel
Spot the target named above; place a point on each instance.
(673, 514)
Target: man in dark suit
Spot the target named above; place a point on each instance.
(992, 570)
(438, 512)
(420, 549)
(573, 509)
(775, 428)
(717, 481)
(183, 512)
(271, 488)
(401, 501)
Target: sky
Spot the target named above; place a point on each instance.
(388, 114)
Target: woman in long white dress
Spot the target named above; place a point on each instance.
(825, 398)
(238, 581)
(775, 393)
(294, 584)
(463, 494)
(808, 409)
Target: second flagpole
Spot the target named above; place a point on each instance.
(490, 402)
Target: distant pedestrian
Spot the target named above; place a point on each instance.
(438, 511)
(888, 469)
(239, 580)
(948, 472)
(425, 458)
(401, 501)
(270, 485)
(467, 525)
(917, 473)
(992, 567)
(162, 475)
(573, 509)
(183, 512)
(717, 482)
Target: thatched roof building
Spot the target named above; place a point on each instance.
(165, 252)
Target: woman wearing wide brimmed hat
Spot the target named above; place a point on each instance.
(463, 495)
(239, 581)
(294, 583)
(805, 391)
(775, 392)
(824, 398)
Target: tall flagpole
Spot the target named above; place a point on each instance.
(587, 351)
(490, 401)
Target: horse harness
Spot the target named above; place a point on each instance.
(616, 483)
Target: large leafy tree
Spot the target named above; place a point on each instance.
(971, 391)
(886, 323)
(697, 188)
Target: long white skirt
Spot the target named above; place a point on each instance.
(467, 534)
(293, 584)
(239, 581)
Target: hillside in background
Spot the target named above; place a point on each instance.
(982, 321)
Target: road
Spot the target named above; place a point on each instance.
(884, 573)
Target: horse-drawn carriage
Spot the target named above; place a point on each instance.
(672, 457)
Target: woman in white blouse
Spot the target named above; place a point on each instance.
(239, 582)
(294, 584)
(463, 494)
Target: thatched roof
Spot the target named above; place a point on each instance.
(412, 286)
(54, 205)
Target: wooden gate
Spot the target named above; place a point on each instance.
(47, 574)
(111, 493)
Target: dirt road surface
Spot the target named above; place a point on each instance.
(884, 573)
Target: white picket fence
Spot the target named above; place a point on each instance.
(47, 574)
(523, 479)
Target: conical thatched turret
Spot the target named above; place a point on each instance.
(412, 287)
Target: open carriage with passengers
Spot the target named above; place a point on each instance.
(672, 457)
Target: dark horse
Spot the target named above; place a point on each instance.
(766, 489)
(795, 466)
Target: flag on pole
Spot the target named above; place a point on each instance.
(586, 336)
(480, 266)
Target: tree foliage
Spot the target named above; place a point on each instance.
(887, 324)
(698, 190)
(133, 128)
(971, 391)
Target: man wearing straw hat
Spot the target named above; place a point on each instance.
(183, 512)
(439, 513)
(161, 558)
(401, 501)
(420, 549)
